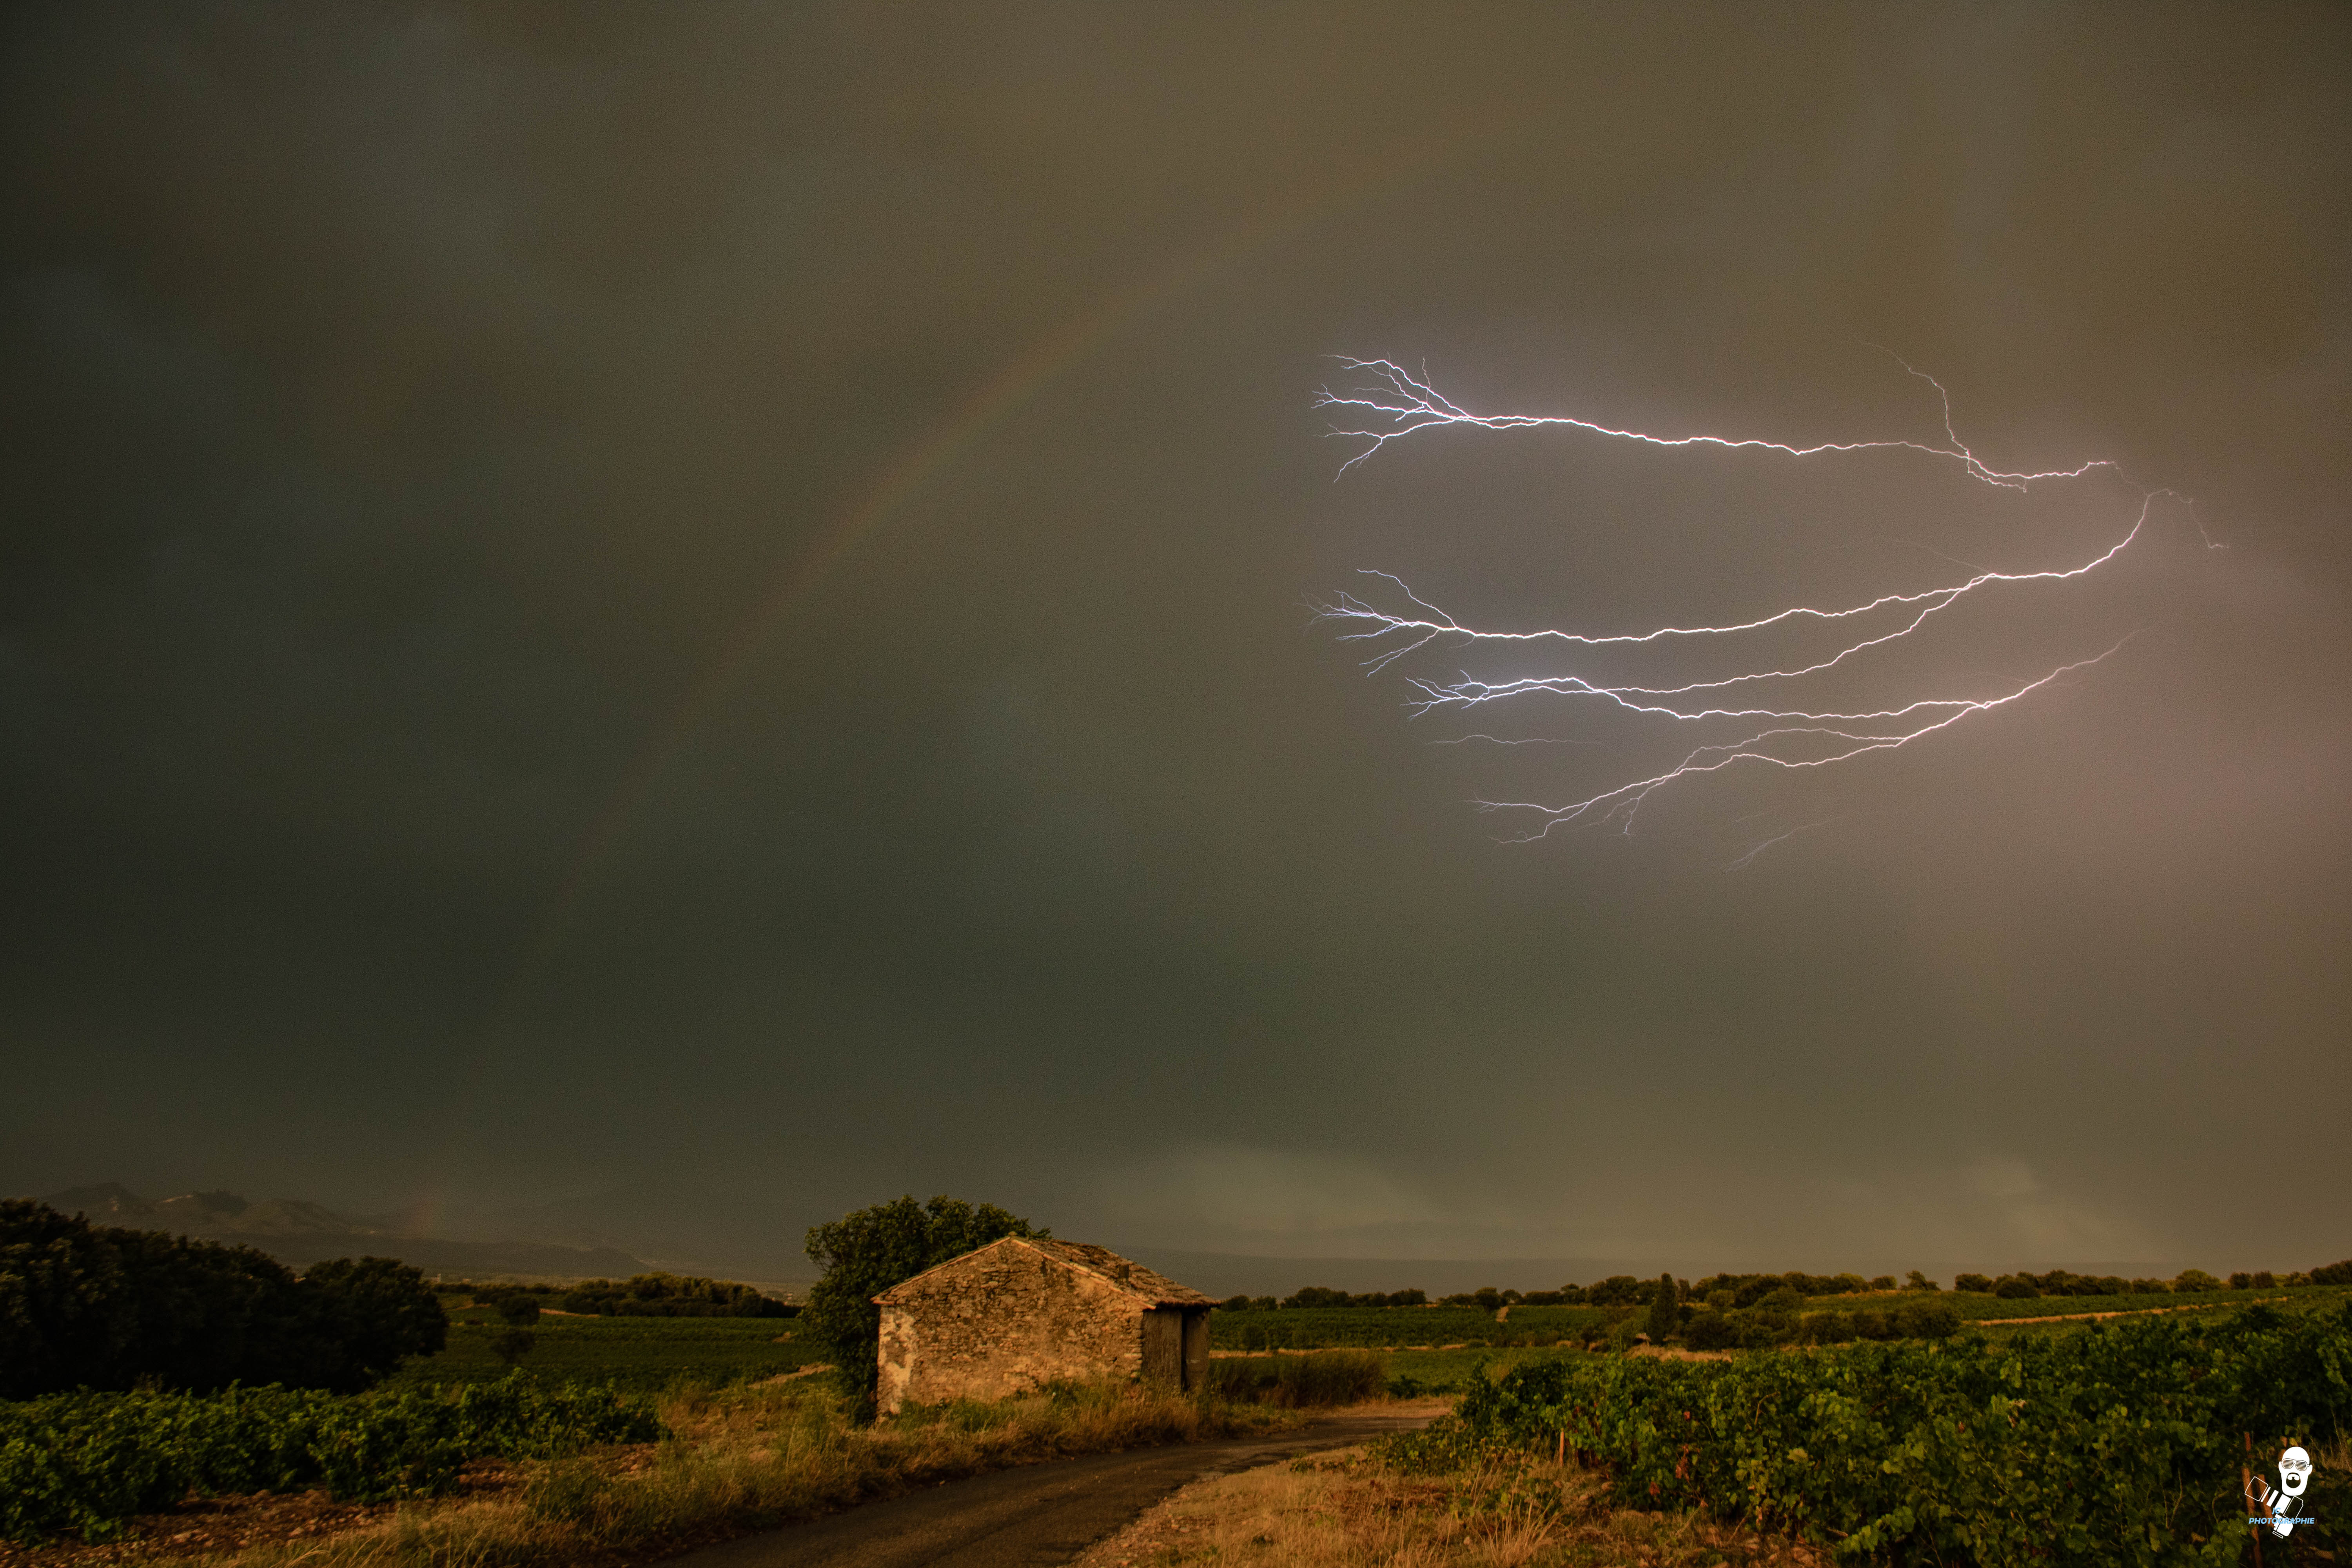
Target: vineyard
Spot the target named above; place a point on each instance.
(88, 1462)
(1328, 1327)
(1789, 1319)
(2116, 1443)
(639, 1354)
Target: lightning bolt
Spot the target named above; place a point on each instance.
(1771, 733)
(1779, 839)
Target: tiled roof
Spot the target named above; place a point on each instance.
(1127, 1273)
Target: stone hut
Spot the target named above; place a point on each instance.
(1024, 1311)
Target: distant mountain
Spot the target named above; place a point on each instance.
(301, 1233)
(682, 1223)
(107, 1203)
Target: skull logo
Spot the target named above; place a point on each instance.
(2294, 1471)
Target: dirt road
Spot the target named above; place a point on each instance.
(1035, 1515)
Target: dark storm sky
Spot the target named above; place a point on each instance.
(700, 607)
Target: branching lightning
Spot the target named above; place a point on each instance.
(1392, 402)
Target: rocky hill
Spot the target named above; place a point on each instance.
(298, 1234)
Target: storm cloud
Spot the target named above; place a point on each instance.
(697, 614)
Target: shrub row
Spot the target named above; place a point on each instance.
(1322, 1295)
(86, 1462)
(1764, 1325)
(2117, 1444)
(1320, 1328)
(1629, 1291)
(672, 1296)
(2058, 1282)
(97, 1306)
(1297, 1381)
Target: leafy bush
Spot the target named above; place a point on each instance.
(96, 1307)
(1318, 1296)
(1749, 1289)
(865, 1253)
(2333, 1273)
(1236, 1379)
(365, 1316)
(86, 1462)
(1298, 1382)
(1619, 1290)
(1711, 1329)
(1911, 1321)
(1925, 1321)
(1666, 1310)
(2119, 1444)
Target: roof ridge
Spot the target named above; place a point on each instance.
(1122, 1273)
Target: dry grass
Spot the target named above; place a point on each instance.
(1342, 1510)
(741, 1459)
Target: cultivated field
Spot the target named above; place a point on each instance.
(645, 1355)
(605, 1439)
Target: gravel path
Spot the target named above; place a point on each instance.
(1034, 1515)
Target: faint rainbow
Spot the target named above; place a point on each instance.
(1044, 362)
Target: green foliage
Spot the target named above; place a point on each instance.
(1666, 1310)
(1774, 1313)
(673, 1296)
(2118, 1444)
(89, 1306)
(1320, 1328)
(86, 1462)
(1319, 1296)
(865, 1253)
(1619, 1290)
(1328, 1377)
(1749, 1289)
(1324, 1378)
(643, 1355)
(1992, 1309)
(369, 1314)
(2333, 1273)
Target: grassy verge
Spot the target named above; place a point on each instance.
(741, 1459)
(1341, 1510)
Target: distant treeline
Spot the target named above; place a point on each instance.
(642, 1296)
(1748, 1290)
(85, 1306)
